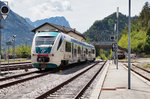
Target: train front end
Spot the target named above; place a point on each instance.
(42, 50)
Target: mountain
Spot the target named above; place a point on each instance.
(102, 30)
(140, 33)
(16, 25)
(54, 20)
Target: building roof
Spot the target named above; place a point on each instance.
(60, 28)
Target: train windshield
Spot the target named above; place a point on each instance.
(45, 40)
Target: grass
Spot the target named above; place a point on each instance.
(146, 66)
(146, 55)
(17, 60)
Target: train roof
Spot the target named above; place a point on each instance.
(71, 39)
(47, 33)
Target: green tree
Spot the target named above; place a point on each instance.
(145, 15)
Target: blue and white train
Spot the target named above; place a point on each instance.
(54, 49)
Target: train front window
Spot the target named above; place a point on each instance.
(45, 40)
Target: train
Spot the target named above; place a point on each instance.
(121, 54)
(55, 49)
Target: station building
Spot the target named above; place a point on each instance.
(48, 27)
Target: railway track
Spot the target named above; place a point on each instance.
(75, 90)
(141, 72)
(15, 66)
(26, 79)
(17, 76)
(15, 63)
(141, 68)
(5, 85)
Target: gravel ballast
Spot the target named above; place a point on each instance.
(33, 88)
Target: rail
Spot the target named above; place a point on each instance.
(51, 91)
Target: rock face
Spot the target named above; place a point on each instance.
(54, 20)
(16, 25)
(21, 27)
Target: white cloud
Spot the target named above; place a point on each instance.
(80, 13)
(60, 5)
(38, 9)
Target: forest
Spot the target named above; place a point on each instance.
(140, 32)
(102, 30)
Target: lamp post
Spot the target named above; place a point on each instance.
(117, 38)
(129, 49)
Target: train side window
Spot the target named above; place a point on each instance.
(68, 47)
(59, 43)
(75, 52)
(93, 51)
(79, 50)
(86, 51)
(82, 50)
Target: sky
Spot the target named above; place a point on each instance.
(81, 14)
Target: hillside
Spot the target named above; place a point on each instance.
(16, 25)
(101, 30)
(55, 20)
(140, 32)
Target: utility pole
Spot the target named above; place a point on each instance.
(0, 38)
(117, 37)
(129, 49)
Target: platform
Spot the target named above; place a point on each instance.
(115, 84)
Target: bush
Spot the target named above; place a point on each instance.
(20, 51)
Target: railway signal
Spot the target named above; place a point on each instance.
(8, 44)
(4, 10)
(112, 38)
(114, 49)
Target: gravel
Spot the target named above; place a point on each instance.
(18, 78)
(15, 72)
(70, 90)
(90, 89)
(146, 74)
(33, 88)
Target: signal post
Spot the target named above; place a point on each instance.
(4, 10)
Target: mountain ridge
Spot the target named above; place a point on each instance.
(16, 25)
(102, 30)
(59, 20)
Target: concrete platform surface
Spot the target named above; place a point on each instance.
(115, 85)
